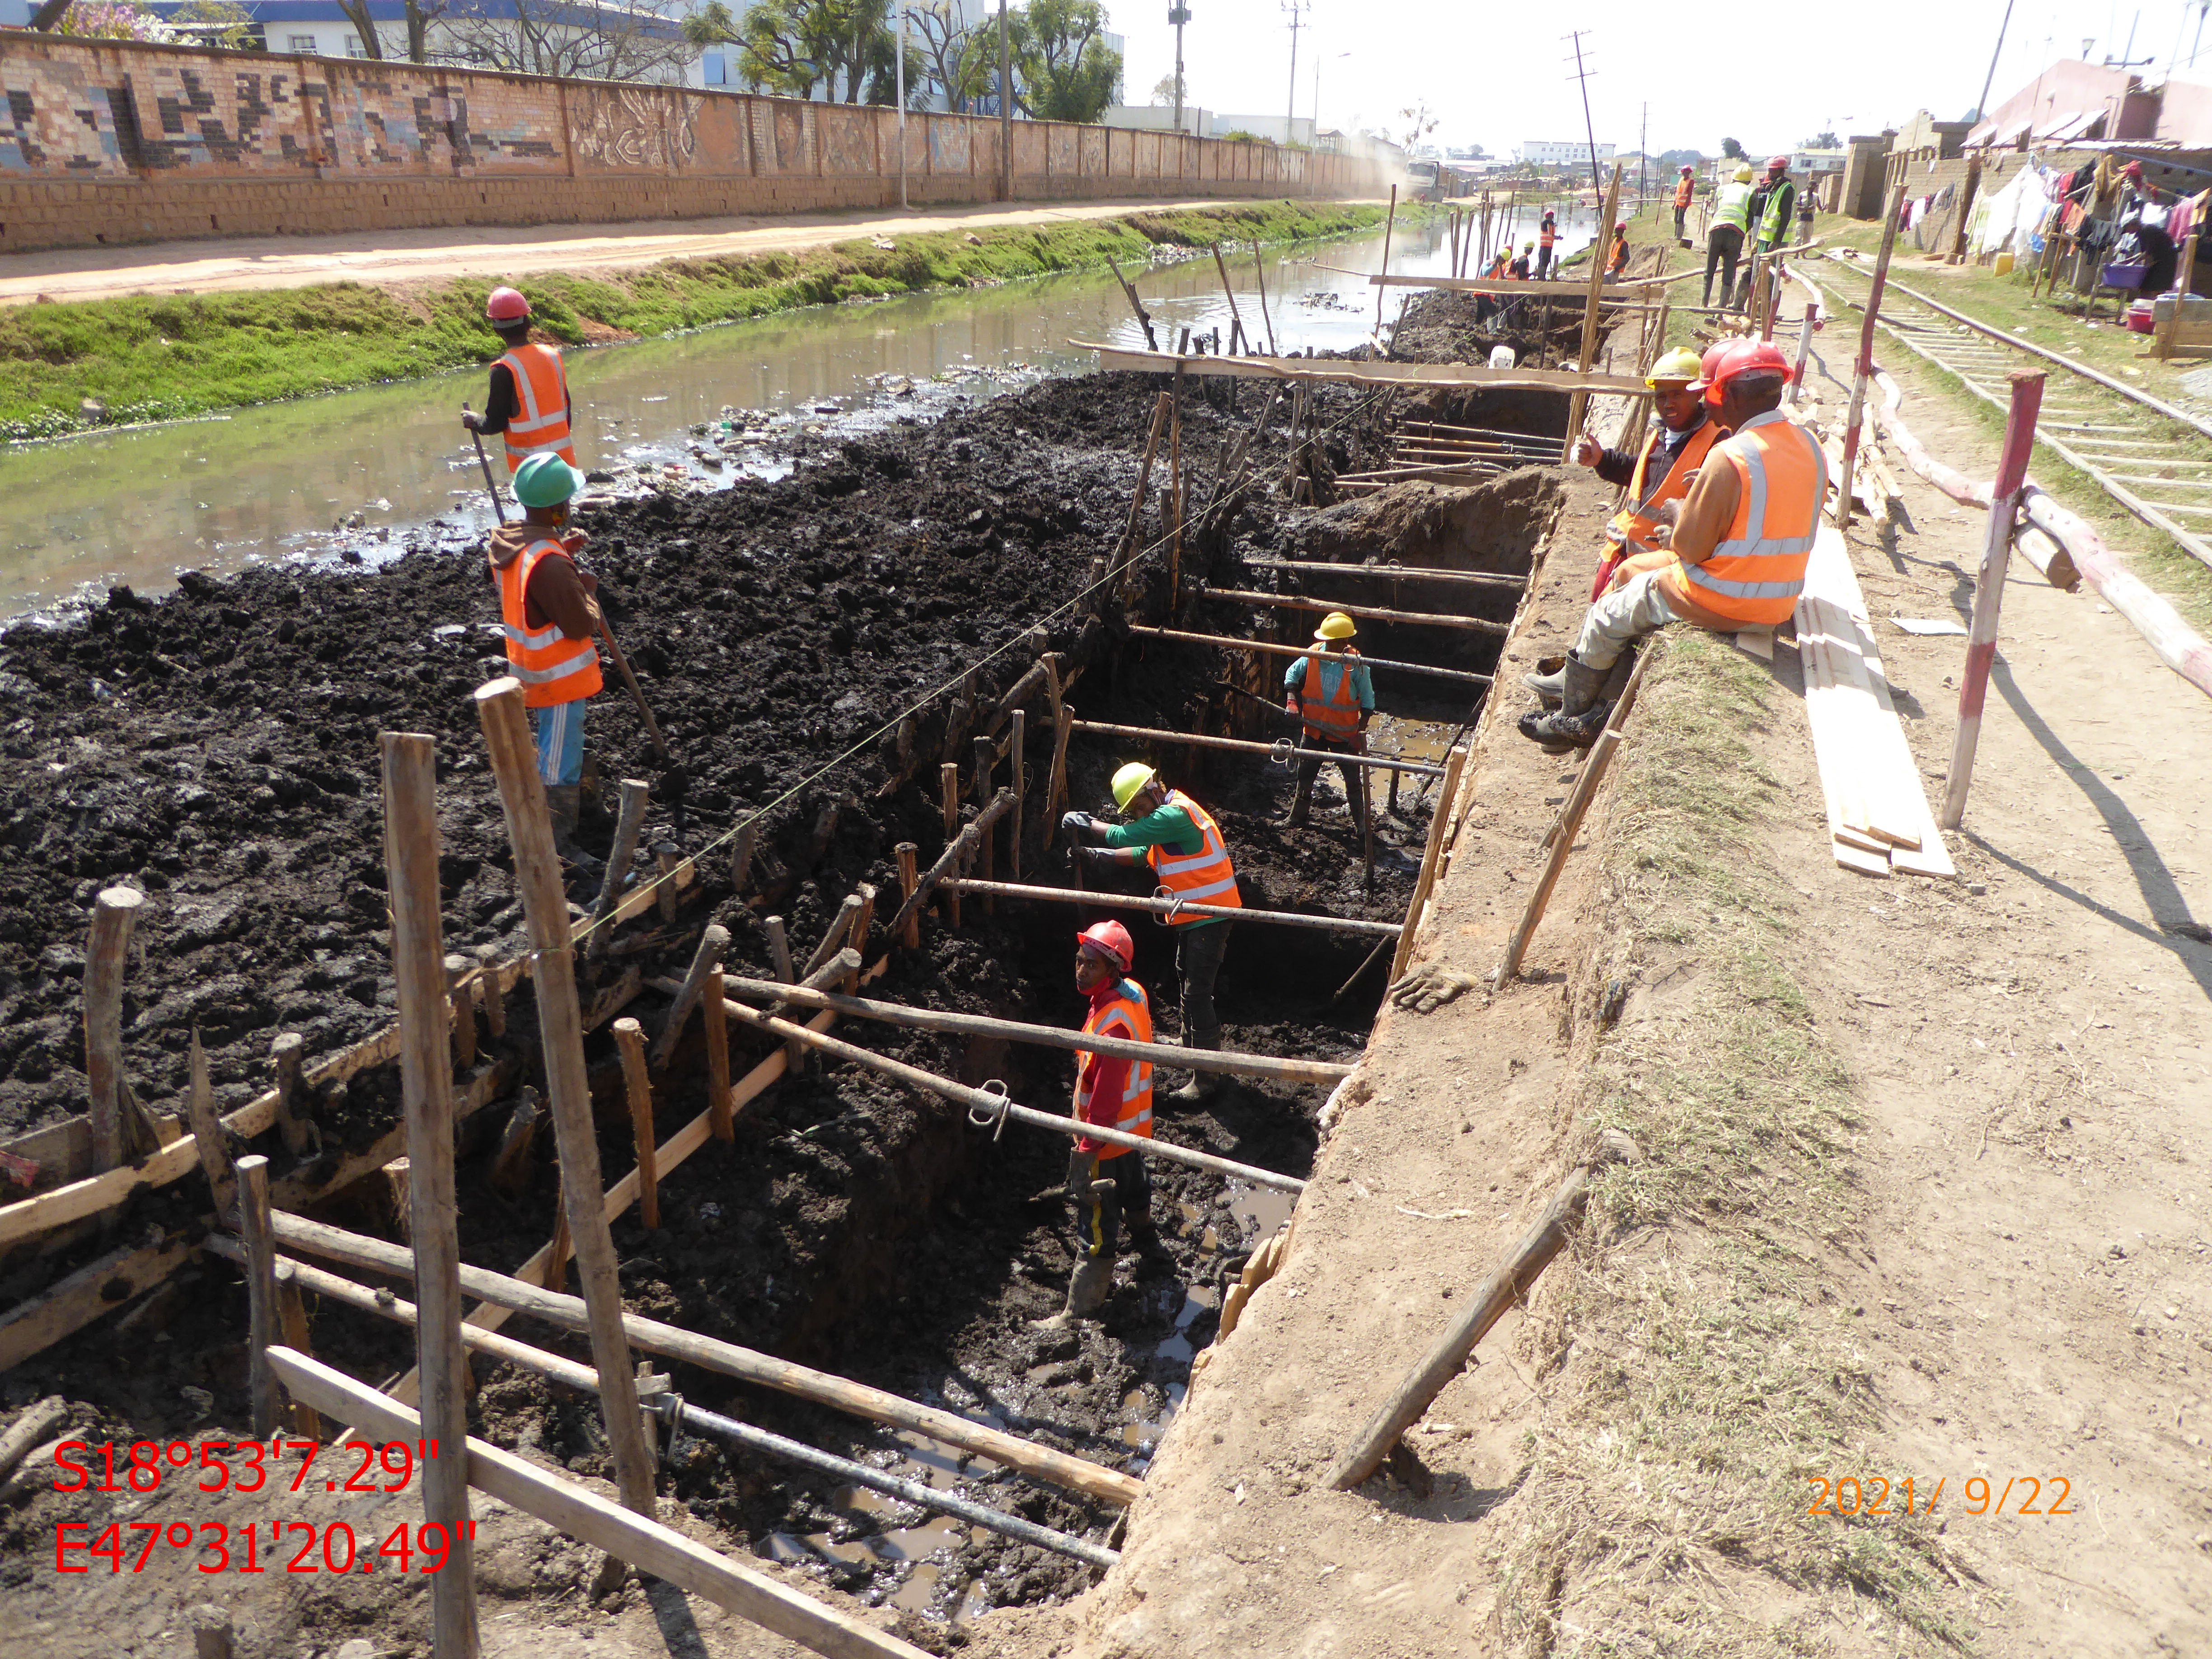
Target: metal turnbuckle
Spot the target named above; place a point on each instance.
(1174, 901)
(983, 1116)
(1281, 752)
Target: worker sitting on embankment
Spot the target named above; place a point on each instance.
(1333, 695)
(1108, 1186)
(548, 614)
(1735, 555)
(1180, 840)
(528, 399)
(1659, 474)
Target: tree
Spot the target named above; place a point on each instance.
(791, 46)
(1416, 124)
(101, 19)
(944, 44)
(571, 39)
(1166, 94)
(1063, 72)
(1731, 150)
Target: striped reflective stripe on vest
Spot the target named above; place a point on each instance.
(552, 667)
(1756, 544)
(540, 425)
(1327, 715)
(1205, 877)
(1129, 1017)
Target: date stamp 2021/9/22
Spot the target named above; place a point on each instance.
(1846, 1496)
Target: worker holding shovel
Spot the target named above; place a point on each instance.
(548, 612)
(527, 402)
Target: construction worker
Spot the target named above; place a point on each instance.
(1659, 474)
(1781, 205)
(1108, 1185)
(528, 401)
(1547, 233)
(1686, 191)
(1520, 267)
(1616, 261)
(547, 611)
(1735, 555)
(1334, 701)
(1179, 839)
(1724, 241)
(1499, 266)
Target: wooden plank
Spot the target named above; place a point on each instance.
(1314, 370)
(584, 1515)
(97, 1288)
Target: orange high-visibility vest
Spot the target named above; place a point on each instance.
(1205, 877)
(1637, 521)
(1332, 719)
(541, 390)
(1129, 1017)
(1757, 570)
(552, 667)
(1684, 191)
(1547, 233)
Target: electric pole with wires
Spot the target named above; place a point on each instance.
(1583, 74)
(1297, 10)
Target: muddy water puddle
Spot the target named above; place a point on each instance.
(375, 468)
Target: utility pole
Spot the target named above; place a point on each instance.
(1005, 111)
(1178, 14)
(1582, 74)
(1298, 10)
(1982, 110)
(1643, 151)
(902, 102)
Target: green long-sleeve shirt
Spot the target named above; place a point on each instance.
(1167, 826)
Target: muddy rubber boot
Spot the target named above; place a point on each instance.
(1567, 727)
(1198, 1086)
(1550, 687)
(1088, 1285)
(1301, 804)
(561, 804)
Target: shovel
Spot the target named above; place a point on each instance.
(598, 620)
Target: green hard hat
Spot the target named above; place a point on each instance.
(546, 480)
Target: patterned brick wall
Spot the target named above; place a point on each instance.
(114, 142)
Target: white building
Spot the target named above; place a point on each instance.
(1571, 153)
(1158, 118)
(1275, 128)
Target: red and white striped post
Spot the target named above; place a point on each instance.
(1864, 369)
(1989, 587)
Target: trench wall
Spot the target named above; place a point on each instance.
(115, 141)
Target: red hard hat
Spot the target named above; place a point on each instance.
(1742, 357)
(1777, 164)
(506, 306)
(1110, 938)
(1688, 169)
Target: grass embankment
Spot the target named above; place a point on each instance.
(149, 357)
(1715, 1369)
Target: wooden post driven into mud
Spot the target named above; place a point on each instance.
(1578, 405)
(1020, 781)
(910, 869)
(546, 905)
(629, 825)
(1446, 794)
(1863, 370)
(718, 1057)
(254, 1226)
(1236, 317)
(637, 1087)
(105, 957)
(1389, 225)
(426, 1078)
(1989, 587)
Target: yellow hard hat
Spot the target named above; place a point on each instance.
(1128, 780)
(1743, 173)
(1681, 364)
(1335, 626)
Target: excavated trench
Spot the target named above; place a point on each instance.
(216, 750)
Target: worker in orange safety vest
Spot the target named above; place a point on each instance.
(1736, 547)
(1684, 192)
(1109, 1188)
(1547, 232)
(549, 614)
(1333, 695)
(528, 400)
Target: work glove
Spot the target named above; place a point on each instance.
(1358, 744)
(1082, 1167)
(1079, 827)
(1290, 705)
(1427, 989)
(470, 419)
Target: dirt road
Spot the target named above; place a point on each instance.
(395, 257)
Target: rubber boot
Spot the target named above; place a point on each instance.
(1550, 687)
(1301, 803)
(1579, 691)
(561, 804)
(1198, 1086)
(1088, 1285)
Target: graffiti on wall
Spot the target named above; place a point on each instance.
(633, 126)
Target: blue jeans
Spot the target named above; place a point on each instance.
(561, 743)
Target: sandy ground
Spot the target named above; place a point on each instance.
(392, 257)
(2033, 1064)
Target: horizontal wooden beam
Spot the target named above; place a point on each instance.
(1165, 907)
(1395, 572)
(1373, 613)
(1284, 753)
(1060, 1468)
(1321, 370)
(601, 1523)
(1269, 648)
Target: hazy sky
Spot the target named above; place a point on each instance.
(1496, 74)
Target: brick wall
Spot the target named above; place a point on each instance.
(116, 142)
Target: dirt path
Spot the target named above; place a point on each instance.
(395, 257)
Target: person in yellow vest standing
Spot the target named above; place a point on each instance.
(1735, 551)
(1109, 1188)
(1334, 697)
(1179, 839)
(1724, 240)
(548, 613)
(528, 400)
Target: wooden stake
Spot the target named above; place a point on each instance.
(718, 1058)
(1389, 225)
(666, 855)
(1989, 588)
(779, 947)
(857, 936)
(629, 825)
(1571, 818)
(714, 942)
(1144, 317)
(1020, 780)
(1260, 276)
(537, 873)
(461, 1011)
(834, 937)
(106, 958)
(910, 869)
(957, 851)
(741, 855)
(1863, 370)
(262, 1318)
(987, 834)
(510, 1165)
(1236, 321)
(1161, 409)
(1446, 795)
(494, 999)
(292, 1120)
(1055, 793)
(629, 1038)
(948, 777)
(207, 1133)
(292, 1318)
(1578, 405)
(419, 971)
(562, 1246)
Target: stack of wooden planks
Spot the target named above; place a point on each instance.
(1878, 816)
